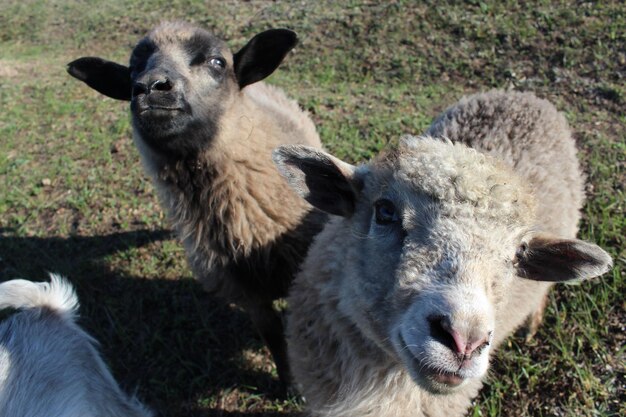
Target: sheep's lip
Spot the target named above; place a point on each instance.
(450, 379)
(440, 377)
(159, 109)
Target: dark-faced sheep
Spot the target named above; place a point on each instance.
(205, 128)
(437, 252)
(48, 365)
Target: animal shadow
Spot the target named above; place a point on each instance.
(165, 339)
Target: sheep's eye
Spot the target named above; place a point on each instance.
(385, 212)
(217, 62)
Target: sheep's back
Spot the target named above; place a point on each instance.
(291, 124)
(529, 134)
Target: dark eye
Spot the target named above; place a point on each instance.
(217, 62)
(385, 212)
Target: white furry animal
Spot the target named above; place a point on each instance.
(49, 367)
(438, 252)
(205, 129)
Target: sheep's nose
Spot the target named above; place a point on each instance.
(462, 343)
(158, 84)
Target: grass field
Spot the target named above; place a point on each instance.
(74, 199)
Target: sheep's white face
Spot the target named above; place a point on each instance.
(443, 260)
(434, 235)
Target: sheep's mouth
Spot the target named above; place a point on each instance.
(158, 109)
(149, 107)
(436, 379)
(449, 379)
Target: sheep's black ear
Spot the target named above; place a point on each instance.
(106, 77)
(321, 179)
(546, 258)
(262, 55)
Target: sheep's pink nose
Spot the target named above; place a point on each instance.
(467, 346)
(460, 343)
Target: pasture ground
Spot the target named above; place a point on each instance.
(74, 198)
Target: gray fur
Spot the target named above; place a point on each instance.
(49, 366)
(401, 301)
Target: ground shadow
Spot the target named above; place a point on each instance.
(34, 256)
(166, 339)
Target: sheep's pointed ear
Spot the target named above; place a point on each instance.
(547, 258)
(321, 179)
(106, 77)
(262, 55)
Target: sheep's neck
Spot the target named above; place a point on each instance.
(228, 205)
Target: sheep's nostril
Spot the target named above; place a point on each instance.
(139, 88)
(440, 331)
(161, 85)
(478, 344)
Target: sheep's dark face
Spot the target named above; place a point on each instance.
(181, 80)
(432, 238)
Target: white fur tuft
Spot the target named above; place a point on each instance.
(58, 294)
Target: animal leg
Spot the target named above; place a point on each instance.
(269, 324)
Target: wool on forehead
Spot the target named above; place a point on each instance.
(462, 178)
(179, 31)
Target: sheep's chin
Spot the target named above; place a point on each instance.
(430, 379)
(162, 123)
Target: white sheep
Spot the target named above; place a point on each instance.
(205, 129)
(438, 252)
(49, 366)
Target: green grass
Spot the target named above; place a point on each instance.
(74, 198)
